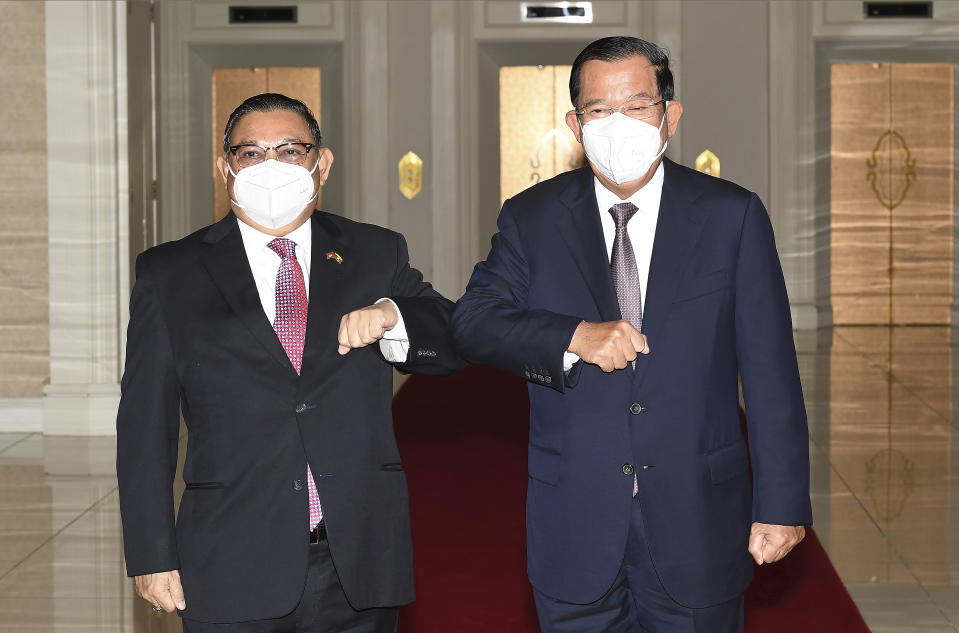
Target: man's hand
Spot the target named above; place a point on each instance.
(610, 345)
(769, 543)
(366, 325)
(163, 589)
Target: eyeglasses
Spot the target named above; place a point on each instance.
(292, 153)
(640, 109)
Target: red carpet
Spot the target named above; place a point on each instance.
(463, 441)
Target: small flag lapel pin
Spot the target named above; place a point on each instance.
(336, 256)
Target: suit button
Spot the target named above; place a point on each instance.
(636, 408)
(297, 485)
(627, 469)
(300, 408)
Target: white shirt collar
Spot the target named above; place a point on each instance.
(647, 199)
(255, 240)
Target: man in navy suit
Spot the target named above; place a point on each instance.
(633, 295)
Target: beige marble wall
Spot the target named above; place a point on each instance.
(24, 286)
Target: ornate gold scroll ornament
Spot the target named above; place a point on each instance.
(889, 483)
(557, 137)
(903, 168)
(411, 175)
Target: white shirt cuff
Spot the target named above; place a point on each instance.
(395, 344)
(569, 359)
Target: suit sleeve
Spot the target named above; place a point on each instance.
(148, 424)
(427, 314)
(775, 412)
(494, 324)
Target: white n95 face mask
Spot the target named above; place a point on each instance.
(272, 193)
(622, 148)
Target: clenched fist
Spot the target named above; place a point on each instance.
(770, 543)
(366, 325)
(610, 345)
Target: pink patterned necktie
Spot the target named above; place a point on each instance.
(290, 326)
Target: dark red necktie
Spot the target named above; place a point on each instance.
(290, 326)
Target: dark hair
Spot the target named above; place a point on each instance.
(270, 102)
(614, 49)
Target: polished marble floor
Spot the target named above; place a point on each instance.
(881, 416)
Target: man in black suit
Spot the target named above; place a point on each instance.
(260, 329)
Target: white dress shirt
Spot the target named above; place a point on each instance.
(641, 229)
(265, 264)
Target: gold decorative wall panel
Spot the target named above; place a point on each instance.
(231, 86)
(24, 249)
(535, 142)
(891, 197)
(889, 443)
(410, 175)
(708, 163)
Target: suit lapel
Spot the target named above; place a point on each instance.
(227, 263)
(583, 232)
(328, 276)
(678, 227)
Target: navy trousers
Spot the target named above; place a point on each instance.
(637, 602)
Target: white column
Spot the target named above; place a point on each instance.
(88, 212)
(801, 229)
(367, 84)
(449, 275)
(662, 23)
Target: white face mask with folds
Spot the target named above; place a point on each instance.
(622, 148)
(272, 193)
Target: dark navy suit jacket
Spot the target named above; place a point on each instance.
(716, 307)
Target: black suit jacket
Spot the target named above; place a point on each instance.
(199, 341)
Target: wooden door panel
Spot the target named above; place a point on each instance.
(231, 86)
(891, 193)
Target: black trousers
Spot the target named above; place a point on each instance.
(323, 608)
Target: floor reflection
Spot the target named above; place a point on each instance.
(61, 554)
(890, 408)
(881, 416)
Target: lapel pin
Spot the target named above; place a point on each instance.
(336, 256)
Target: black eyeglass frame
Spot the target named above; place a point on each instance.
(266, 150)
